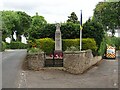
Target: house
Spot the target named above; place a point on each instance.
(117, 33)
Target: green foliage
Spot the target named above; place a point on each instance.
(48, 31)
(67, 43)
(102, 48)
(9, 22)
(33, 50)
(17, 45)
(113, 41)
(73, 18)
(93, 29)
(87, 43)
(24, 23)
(14, 21)
(3, 46)
(46, 44)
(107, 13)
(38, 23)
(72, 48)
(70, 30)
(7, 45)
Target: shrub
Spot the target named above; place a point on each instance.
(17, 45)
(72, 48)
(102, 48)
(87, 43)
(113, 41)
(7, 45)
(116, 42)
(33, 50)
(3, 46)
(46, 44)
(67, 43)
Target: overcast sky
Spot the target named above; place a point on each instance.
(52, 10)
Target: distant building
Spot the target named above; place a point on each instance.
(117, 33)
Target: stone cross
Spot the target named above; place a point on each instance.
(58, 41)
(58, 26)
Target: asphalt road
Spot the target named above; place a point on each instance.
(105, 75)
(11, 67)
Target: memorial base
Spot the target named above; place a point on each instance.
(58, 54)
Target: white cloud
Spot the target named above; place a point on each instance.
(53, 10)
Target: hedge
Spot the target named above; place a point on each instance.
(67, 43)
(3, 46)
(48, 45)
(87, 43)
(16, 45)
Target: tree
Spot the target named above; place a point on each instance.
(70, 30)
(73, 18)
(93, 29)
(14, 21)
(24, 23)
(107, 13)
(10, 20)
(38, 23)
(48, 31)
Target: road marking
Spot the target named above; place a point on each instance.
(115, 84)
(115, 70)
(19, 85)
(22, 80)
(22, 74)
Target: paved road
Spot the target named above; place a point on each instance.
(103, 76)
(11, 67)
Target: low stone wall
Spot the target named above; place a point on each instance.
(77, 62)
(74, 62)
(35, 61)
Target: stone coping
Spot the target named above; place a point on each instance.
(76, 52)
(35, 53)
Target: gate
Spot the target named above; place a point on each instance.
(54, 59)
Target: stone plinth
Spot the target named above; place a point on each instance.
(78, 62)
